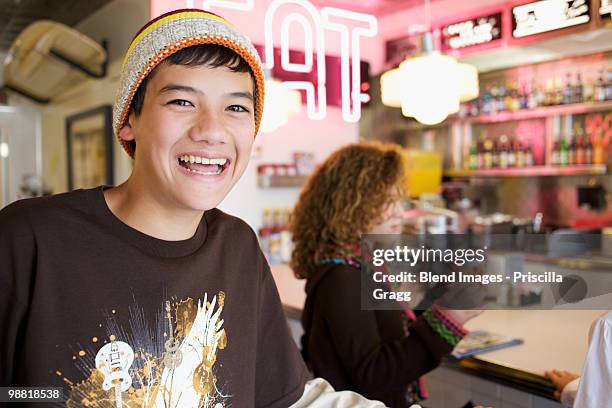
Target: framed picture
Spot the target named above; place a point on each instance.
(89, 139)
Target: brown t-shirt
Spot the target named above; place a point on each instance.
(86, 299)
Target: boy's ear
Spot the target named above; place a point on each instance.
(126, 132)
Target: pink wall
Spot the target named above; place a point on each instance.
(301, 134)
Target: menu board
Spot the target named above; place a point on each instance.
(548, 15)
(467, 33)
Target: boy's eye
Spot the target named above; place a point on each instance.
(237, 108)
(180, 102)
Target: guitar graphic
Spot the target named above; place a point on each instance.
(113, 361)
(173, 356)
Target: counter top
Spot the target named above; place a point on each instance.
(552, 339)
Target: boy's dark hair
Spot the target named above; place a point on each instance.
(211, 55)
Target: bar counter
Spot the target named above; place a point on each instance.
(552, 339)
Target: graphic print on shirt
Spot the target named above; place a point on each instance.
(171, 366)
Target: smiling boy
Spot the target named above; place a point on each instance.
(145, 294)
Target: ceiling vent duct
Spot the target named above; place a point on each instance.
(47, 58)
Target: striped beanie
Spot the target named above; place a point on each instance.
(169, 33)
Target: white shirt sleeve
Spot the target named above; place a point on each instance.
(319, 394)
(568, 395)
(595, 388)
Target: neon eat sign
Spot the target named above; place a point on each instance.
(314, 24)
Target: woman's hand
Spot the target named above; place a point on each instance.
(560, 378)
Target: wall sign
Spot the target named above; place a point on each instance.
(287, 16)
(475, 31)
(333, 65)
(548, 15)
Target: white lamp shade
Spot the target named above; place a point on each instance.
(468, 82)
(391, 88)
(429, 88)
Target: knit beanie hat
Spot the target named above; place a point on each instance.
(169, 33)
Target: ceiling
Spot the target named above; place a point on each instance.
(18, 14)
(375, 7)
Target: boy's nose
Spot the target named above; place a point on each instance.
(209, 128)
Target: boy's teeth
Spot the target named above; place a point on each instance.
(206, 173)
(202, 160)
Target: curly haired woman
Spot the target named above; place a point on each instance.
(379, 353)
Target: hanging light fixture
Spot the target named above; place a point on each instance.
(429, 87)
(280, 104)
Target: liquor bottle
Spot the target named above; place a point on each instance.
(541, 95)
(599, 152)
(523, 97)
(501, 98)
(495, 155)
(274, 238)
(494, 99)
(488, 154)
(520, 155)
(559, 91)
(549, 93)
(512, 154)
(579, 89)
(589, 91)
(556, 152)
(508, 98)
(485, 108)
(473, 156)
(588, 151)
(568, 91)
(609, 85)
(600, 88)
(562, 152)
(503, 152)
(571, 151)
(579, 149)
(474, 107)
(516, 97)
(532, 98)
(481, 155)
(529, 159)
(286, 242)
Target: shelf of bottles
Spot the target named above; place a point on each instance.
(543, 126)
(278, 175)
(267, 181)
(274, 235)
(541, 112)
(514, 101)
